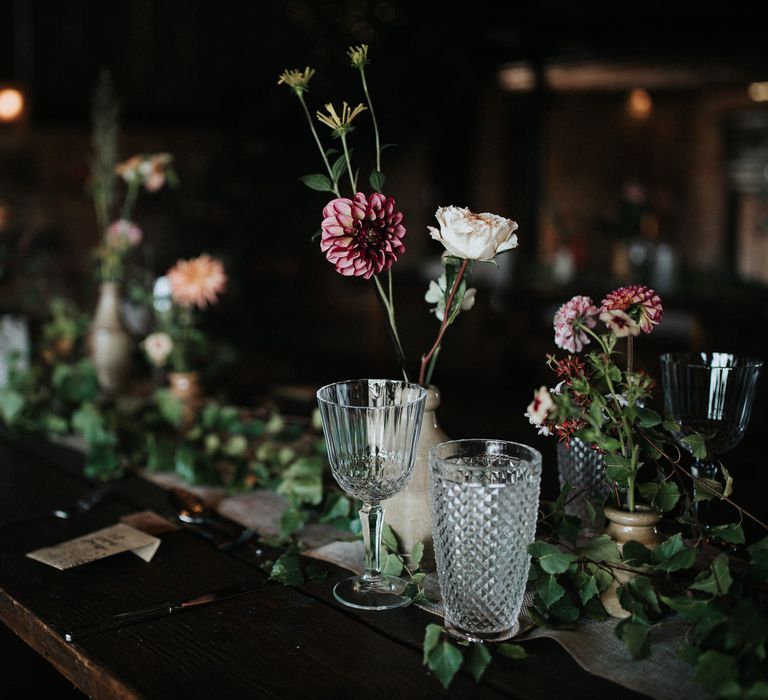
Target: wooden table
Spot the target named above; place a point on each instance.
(280, 642)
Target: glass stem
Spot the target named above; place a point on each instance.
(372, 519)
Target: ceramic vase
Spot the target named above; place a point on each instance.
(186, 387)
(110, 344)
(408, 513)
(624, 526)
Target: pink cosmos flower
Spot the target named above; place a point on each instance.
(620, 323)
(123, 234)
(362, 236)
(639, 302)
(571, 319)
(197, 282)
(539, 409)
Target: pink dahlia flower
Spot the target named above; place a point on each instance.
(362, 236)
(639, 302)
(571, 319)
(197, 282)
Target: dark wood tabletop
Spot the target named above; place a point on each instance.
(279, 642)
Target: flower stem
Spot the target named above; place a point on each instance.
(349, 163)
(387, 303)
(630, 349)
(130, 199)
(319, 145)
(373, 118)
(425, 359)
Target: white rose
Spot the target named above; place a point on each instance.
(473, 236)
(158, 346)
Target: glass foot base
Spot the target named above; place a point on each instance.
(384, 593)
(496, 636)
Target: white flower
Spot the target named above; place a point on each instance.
(539, 408)
(473, 236)
(620, 323)
(157, 346)
(436, 295)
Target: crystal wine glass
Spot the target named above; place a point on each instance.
(710, 394)
(371, 429)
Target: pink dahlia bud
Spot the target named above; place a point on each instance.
(362, 236)
(639, 302)
(570, 321)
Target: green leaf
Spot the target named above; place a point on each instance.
(416, 554)
(377, 180)
(236, 446)
(431, 639)
(317, 182)
(718, 581)
(688, 607)
(291, 520)
(591, 513)
(647, 418)
(696, 445)
(588, 590)
(388, 539)
(663, 496)
(619, 469)
(338, 168)
(731, 532)
(442, 658)
(185, 463)
(171, 409)
(337, 506)
(549, 590)
(635, 637)
(715, 669)
(672, 555)
(640, 595)
(635, 554)
(11, 404)
(102, 461)
(89, 422)
(550, 558)
(477, 660)
(286, 570)
(564, 611)
(302, 482)
(513, 651)
(160, 453)
(758, 553)
(600, 548)
(671, 427)
(391, 565)
(602, 577)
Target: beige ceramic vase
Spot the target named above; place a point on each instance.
(185, 386)
(110, 344)
(408, 512)
(624, 526)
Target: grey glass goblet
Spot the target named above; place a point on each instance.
(371, 429)
(710, 394)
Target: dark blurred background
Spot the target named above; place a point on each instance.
(629, 141)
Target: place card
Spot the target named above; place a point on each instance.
(97, 545)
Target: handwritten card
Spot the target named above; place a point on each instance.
(97, 545)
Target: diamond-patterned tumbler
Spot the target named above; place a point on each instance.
(484, 497)
(583, 468)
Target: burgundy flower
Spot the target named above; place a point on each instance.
(639, 302)
(362, 236)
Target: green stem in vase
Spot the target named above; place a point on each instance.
(130, 199)
(373, 118)
(388, 305)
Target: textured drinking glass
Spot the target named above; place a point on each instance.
(371, 429)
(484, 497)
(712, 394)
(584, 469)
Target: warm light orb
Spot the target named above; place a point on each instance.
(758, 92)
(11, 104)
(639, 104)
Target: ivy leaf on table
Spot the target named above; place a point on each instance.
(550, 558)
(717, 581)
(440, 656)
